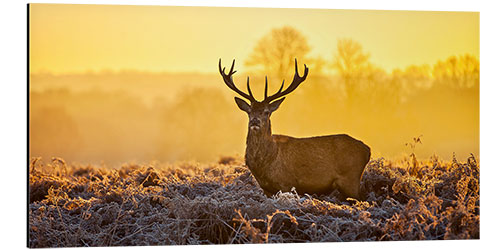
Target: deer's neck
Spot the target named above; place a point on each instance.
(261, 150)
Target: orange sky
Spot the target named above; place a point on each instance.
(78, 38)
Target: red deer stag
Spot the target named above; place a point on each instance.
(315, 165)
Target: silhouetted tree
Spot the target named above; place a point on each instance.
(352, 65)
(411, 80)
(459, 72)
(275, 52)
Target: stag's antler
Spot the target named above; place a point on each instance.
(297, 80)
(228, 80)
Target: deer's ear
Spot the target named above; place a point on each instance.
(242, 104)
(276, 104)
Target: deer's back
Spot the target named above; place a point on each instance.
(330, 146)
(317, 161)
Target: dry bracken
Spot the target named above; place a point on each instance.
(74, 205)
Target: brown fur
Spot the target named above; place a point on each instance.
(315, 165)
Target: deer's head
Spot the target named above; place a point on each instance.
(259, 112)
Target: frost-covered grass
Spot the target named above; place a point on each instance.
(221, 203)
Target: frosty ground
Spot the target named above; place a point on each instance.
(221, 203)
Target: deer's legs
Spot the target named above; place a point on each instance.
(268, 194)
(348, 187)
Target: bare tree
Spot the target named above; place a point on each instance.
(352, 65)
(458, 72)
(276, 51)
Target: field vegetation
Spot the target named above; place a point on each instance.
(74, 205)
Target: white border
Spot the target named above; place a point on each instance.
(13, 111)
(457, 5)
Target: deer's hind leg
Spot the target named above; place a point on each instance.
(349, 187)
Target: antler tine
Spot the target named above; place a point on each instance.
(221, 70)
(296, 68)
(228, 80)
(282, 84)
(265, 90)
(248, 87)
(297, 80)
(232, 67)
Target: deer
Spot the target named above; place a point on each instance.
(312, 165)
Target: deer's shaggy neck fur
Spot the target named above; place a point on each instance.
(261, 151)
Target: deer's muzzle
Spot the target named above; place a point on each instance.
(254, 124)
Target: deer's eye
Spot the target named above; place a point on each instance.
(266, 112)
